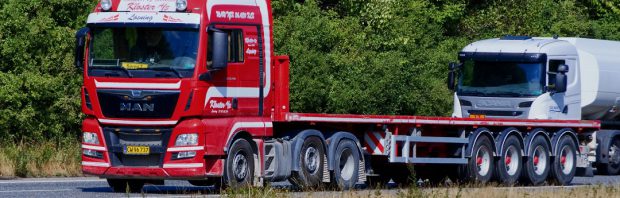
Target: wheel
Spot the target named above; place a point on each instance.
(564, 163)
(346, 164)
(312, 157)
(216, 182)
(537, 165)
(239, 170)
(481, 164)
(613, 166)
(125, 185)
(509, 164)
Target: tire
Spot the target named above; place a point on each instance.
(215, 181)
(126, 185)
(481, 166)
(346, 164)
(509, 165)
(613, 166)
(239, 170)
(538, 163)
(312, 157)
(565, 161)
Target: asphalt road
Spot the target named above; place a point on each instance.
(95, 187)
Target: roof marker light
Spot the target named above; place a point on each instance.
(181, 5)
(106, 5)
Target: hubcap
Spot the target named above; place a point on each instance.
(511, 165)
(483, 160)
(240, 166)
(566, 160)
(312, 160)
(540, 160)
(347, 164)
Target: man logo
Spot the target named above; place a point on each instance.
(136, 93)
(144, 107)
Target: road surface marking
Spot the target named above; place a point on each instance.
(17, 191)
(48, 181)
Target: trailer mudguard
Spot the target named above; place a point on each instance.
(556, 137)
(530, 137)
(473, 137)
(603, 139)
(501, 138)
(298, 141)
(333, 143)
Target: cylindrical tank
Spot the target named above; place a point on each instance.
(599, 62)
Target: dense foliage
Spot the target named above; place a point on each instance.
(348, 56)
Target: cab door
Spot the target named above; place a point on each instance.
(245, 67)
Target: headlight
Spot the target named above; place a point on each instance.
(187, 139)
(106, 5)
(90, 138)
(181, 5)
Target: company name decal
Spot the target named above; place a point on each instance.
(220, 106)
(143, 18)
(234, 15)
(147, 5)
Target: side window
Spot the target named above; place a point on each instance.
(235, 46)
(553, 69)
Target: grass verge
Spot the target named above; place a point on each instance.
(40, 160)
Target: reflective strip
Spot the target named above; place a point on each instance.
(108, 121)
(97, 164)
(97, 148)
(123, 85)
(189, 165)
(193, 148)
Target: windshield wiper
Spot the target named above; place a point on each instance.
(171, 69)
(116, 68)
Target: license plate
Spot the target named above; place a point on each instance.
(137, 150)
(127, 65)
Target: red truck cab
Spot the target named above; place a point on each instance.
(163, 79)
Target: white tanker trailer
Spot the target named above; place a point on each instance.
(519, 77)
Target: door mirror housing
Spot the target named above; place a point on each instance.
(561, 79)
(80, 43)
(218, 48)
(452, 71)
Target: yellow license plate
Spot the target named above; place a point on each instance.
(137, 150)
(135, 65)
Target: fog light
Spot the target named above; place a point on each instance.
(181, 5)
(184, 154)
(106, 5)
(92, 153)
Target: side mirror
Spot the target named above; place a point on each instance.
(219, 47)
(561, 80)
(80, 44)
(452, 67)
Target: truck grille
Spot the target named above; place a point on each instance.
(155, 138)
(137, 103)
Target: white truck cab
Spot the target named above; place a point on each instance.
(518, 77)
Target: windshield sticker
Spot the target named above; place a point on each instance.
(128, 65)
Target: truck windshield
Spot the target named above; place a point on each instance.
(143, 52)
(500, 79)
